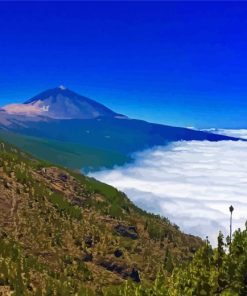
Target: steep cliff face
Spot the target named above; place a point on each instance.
(62, 230)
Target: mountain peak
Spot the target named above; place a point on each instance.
(61, 103)
(62, 87)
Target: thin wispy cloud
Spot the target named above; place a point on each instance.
(192, 183)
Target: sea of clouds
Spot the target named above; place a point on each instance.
(192, 183)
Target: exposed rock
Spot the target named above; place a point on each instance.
(88, 257)
(132, 228)
(89, 242)
(118, 253)
(135, 275)
(122, 269)
(43, 170)
(7, 185)
(114, 267)
(126, 231)
(63, 177)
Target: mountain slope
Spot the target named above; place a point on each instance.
(62, 232)
(114, 136)
(59, 117)
(61, 103)
(74, 156)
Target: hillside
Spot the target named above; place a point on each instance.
(74, 156)
(221, 271)
(105, 141)
(63, 233)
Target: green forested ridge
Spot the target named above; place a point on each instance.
(71, 155)
(92, 143)
(62, 233)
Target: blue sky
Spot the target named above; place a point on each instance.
(170, 62)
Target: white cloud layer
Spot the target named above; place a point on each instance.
(24, 109)
(237, 133)
(192, 183)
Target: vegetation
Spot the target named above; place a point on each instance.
(92, 143)
(74, 156)
(211, 272)
(219, 271)
(62, 233)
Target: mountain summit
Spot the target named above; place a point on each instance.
(61, 103)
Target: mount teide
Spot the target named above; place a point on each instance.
(64, 127)
(61, 103)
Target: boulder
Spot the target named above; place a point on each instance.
(127, 231)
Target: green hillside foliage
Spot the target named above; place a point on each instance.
(62, 233)
(92, 143)
(71, 155)
(219, 271)
(211, 272)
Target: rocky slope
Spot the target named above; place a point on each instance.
(65, 233)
